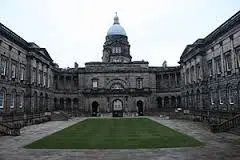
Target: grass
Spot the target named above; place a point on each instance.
(124, 133)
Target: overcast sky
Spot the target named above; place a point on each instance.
(75, 30)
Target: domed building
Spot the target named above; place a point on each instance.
(33, 83)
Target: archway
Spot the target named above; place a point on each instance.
(140, 108)
(159, 103)
(117, 108)
(95, 108)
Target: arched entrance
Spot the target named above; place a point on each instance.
(140, 108)
(94, 108)
(117, 108)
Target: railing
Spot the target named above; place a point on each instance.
(9, 130)
(227, 125)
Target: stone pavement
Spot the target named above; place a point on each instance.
(218, 146)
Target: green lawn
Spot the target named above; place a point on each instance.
(123, 133)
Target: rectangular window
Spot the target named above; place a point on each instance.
(21, 101)
(220, 97)
(116, 50)
(1, 99)
(210, 68)
(187, 76)
(3, 67)
(95, 83)
(238, 56)
(228, 61)
(198, 71)
(211, 96)
(139, 83)
(44, 79)
(192, 74)
(22, 74)
(230, 95)
(13, 71)
(34, 75)
(12, 102)
(218, 65)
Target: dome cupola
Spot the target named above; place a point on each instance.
(116, 28)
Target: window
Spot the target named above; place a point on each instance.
(218, 65)
(187, 75)
(139, 83)
(116, 50)
(21, 101)
(198, 76)
(2, 98)
(13, 71)
(192, 74)
(13, 98)
(22, 74)
(40, 75)
(95, 83)
(44, 78)
(3, 67)
(210, 69)
(212, 97)
(228, 61)
(230, 95)
(238, 56)
(220, 97)
(117, 86)
(34, 75)
(49, 80)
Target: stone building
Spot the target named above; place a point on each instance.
(32, 83)
(210, 73)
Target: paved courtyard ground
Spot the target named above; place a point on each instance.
(218, 146)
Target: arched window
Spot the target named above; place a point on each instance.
(2, 99)
(211, 97)
(21, 101)
(117, 86)
(13, 99)
(230, 95)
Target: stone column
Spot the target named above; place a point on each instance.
(222, 59)
(233, 55)
(213, 63)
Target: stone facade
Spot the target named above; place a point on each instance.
(32, 83)
(210, 72)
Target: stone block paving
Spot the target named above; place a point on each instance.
(218, 146)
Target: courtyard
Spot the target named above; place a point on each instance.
(217, 146)
(117, 133)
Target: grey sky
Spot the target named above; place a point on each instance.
(75, 30)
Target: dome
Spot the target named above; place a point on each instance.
(116, 28)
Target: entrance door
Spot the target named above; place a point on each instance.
(117, 108)
(140, 108)
(94, 108)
